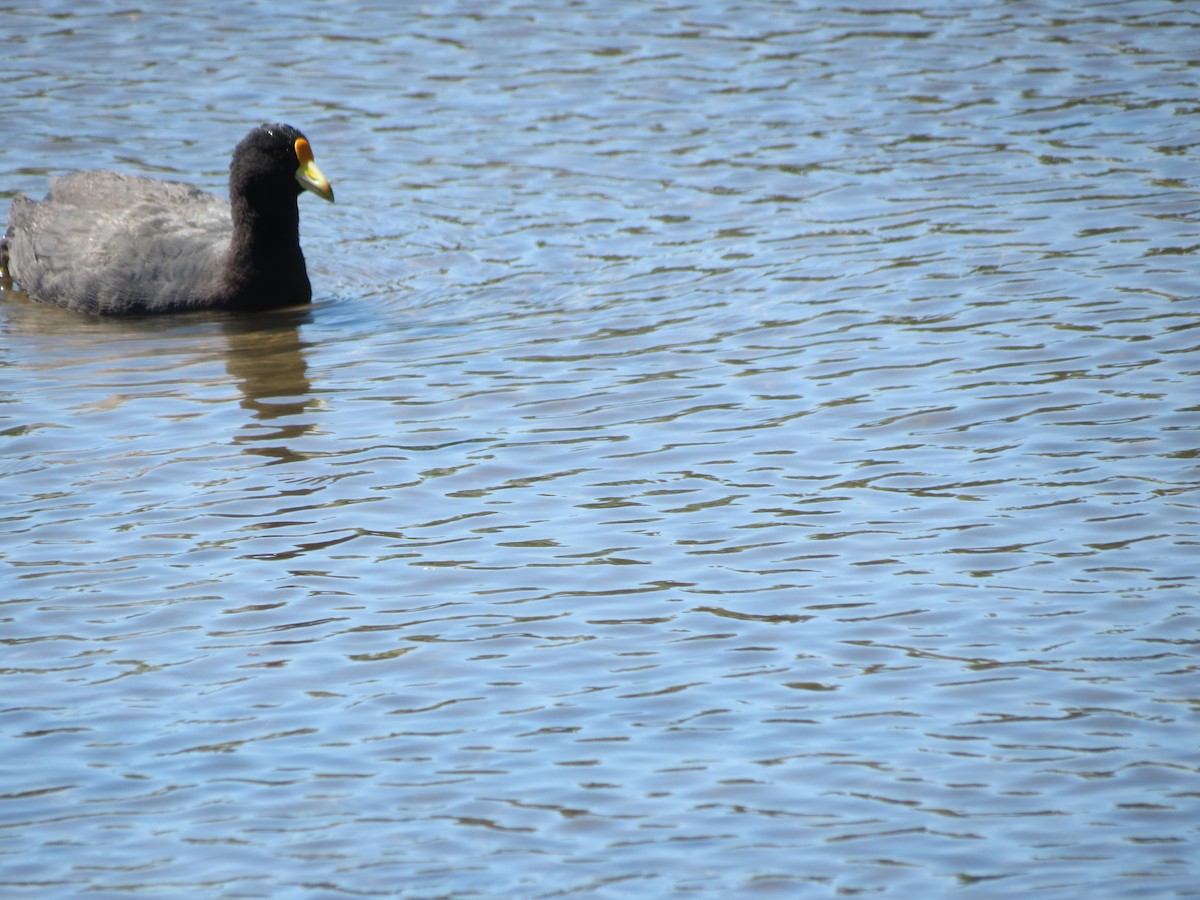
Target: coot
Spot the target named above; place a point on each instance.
(116, 244)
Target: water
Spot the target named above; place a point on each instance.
(737, 449)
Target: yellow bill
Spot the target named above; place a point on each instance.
(310, 177)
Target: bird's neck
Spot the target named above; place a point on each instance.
(271, 232)
(264, 255)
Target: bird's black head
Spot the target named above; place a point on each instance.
(275, 161)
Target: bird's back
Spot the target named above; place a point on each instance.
(106, 242)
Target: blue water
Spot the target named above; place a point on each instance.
(735, 450)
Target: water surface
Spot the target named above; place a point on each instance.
(736, 449)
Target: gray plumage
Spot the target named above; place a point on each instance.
(103, 242)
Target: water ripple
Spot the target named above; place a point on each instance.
(738, 428)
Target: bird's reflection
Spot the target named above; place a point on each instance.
(264, 353)
(266, 356)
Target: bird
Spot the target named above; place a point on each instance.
(113, 244)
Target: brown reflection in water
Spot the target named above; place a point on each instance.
(267, 357)
(263, 353)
